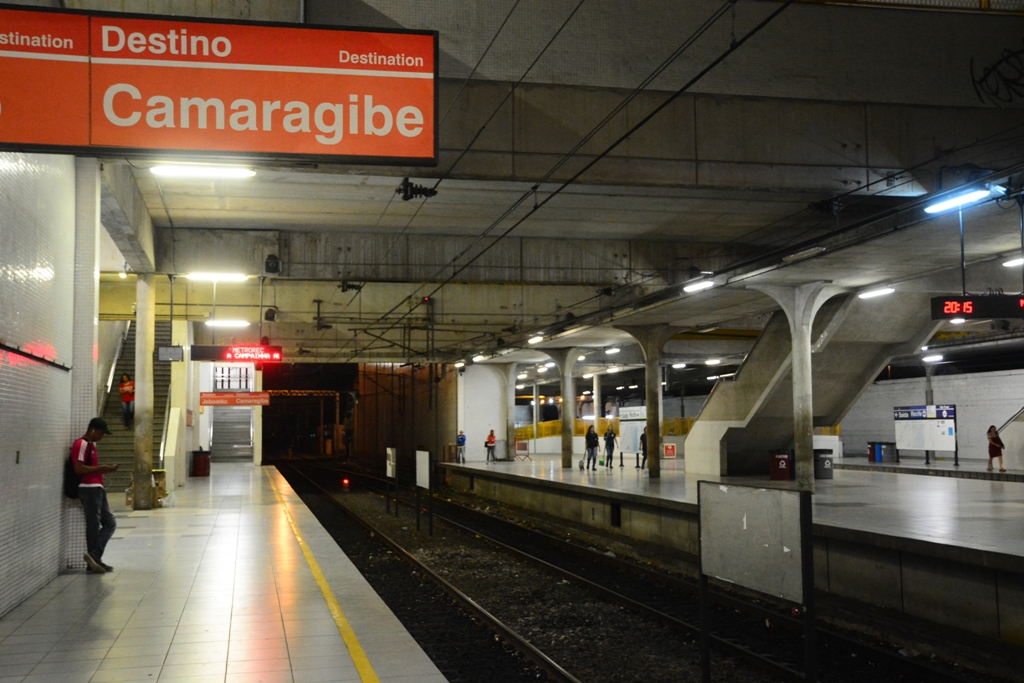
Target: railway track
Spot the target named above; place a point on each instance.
(758, 634)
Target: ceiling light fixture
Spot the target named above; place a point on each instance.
(957, 321)
(460, 364)
(589, 375)
(522, 375)
(963, 199)
(932, 359)
(580, 357)
(713, 361)
(217, 277)
(619, 388)
(613, 370)
(550, 364)
(801, 255)
(479, 359)
(1013, 263)
(679, 366)
(535, 340)
(872, 293)
(632, 386)
(227, 323)
(520, 386)
(612, 351)
(202, 172)
(698, 286)
(712, 378)
(542, 369)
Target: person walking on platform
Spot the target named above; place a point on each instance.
(99, 520)
(491, 442)
(995, 448)
(591, 442)
(127, 390)
(460, 447)
(609, 446)
(643, 449)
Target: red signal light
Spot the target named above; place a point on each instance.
(344, 482)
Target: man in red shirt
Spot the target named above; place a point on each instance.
(99, 520)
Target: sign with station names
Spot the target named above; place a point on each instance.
(238, 353)
(234, 398)
(925, 428)
(129, 84)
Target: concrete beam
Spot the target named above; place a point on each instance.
(124, 214)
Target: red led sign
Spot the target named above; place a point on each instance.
(238, 353)
(977, 307)
(246, 353)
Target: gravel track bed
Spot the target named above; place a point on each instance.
(461, 648)
(593, 639)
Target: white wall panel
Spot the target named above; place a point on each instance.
(484, 408)
(37, 195)
(981, 399)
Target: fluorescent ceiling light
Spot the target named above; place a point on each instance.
(632, 386)
(957, 321)
(679, 366)
(801, 255)
(932, 359)
(460, 364)
(698, 286)
(227, 323)
(871, 294)
(612, 351)
(521, 375)
(713, 361)
(588, 376)
(586, 393)
(712, 378)
(580, 357)
(613, 370)
(542, 369)
(520, 386)
(924, 348)
(123, 275)
(479, 359)
(958, 201)
(217, 277)
(201, 171)
(1013, 263)
(549, 364)
(535, 340)
(619, 388)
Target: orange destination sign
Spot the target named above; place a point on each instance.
(234, 398)
(120, 82)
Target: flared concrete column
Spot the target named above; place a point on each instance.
(566, 361)
(85, 325)
(801, 304)
(510, 409)
(145, 321)
(652, 339)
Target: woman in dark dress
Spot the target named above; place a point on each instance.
(995, 448)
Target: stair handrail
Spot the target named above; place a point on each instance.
(1012, 419)
(163, 435)
(113, 365)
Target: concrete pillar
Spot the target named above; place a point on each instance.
(566, 361)
(145, 321)
(801, 304)
(257, 425)
(652, 339)
(510, 409)
(176, 460)
(598, 405)
(929, 399)
(85, 323)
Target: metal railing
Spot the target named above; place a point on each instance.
(113, 367)
(672, 426)
(163, 435)
(1012, 420)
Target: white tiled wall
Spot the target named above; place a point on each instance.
(981, 399)
(36, 271)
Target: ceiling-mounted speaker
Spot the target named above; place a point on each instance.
(270, 315)
(272, 265)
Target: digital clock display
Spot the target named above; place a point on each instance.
(996, 306)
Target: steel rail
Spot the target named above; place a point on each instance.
(523, 646)
(847, 643)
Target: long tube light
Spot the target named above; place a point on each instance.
(217, 277)
(202, 171)
(932, 359)
(1013, 263)
(535, 340)
(698, 286)
(871, 294)
(227, 323)
(963, 199)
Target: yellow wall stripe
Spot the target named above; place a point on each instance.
(355, 649)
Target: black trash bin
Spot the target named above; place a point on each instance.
(823, 462)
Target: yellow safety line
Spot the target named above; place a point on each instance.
(355, 649)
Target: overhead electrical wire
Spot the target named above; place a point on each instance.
(735, 45)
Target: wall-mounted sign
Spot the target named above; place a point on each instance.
(238, 353)
(234, 398)
(170, 354)
(925, 428)
(993, 306)
(131, 84)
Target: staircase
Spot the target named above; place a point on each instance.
(231, 440)
(119, 448)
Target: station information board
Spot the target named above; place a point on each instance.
(973, 307)
(133, 84)
(239, 353)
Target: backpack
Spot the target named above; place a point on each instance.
(71, 480)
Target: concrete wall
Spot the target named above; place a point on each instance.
(982, 399)
(37, 228)
(482, 408)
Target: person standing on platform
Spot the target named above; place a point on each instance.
(127, 389)
(591, 442)
(995, 448)
(460, 447)
(609, 445)
(643, 449)
(99, 520)
(491, 442)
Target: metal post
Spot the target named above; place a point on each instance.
(705, 625)
(536, 412)
(963, 256)
(321, 427)
(262, 278)
(417, 507)
(929, 399)
(807, 569)
(956, 451)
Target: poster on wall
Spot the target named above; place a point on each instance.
(392, 466)
(632, 420)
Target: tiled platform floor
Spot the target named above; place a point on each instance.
(215, 589)
(970, 513)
